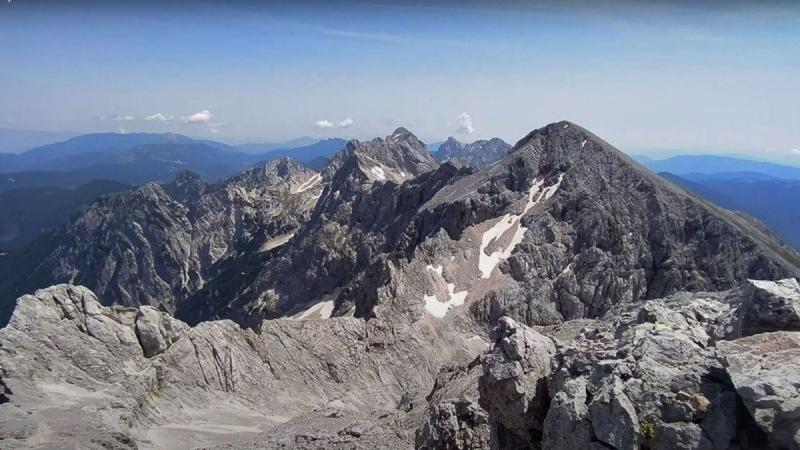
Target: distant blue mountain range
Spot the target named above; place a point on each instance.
(712, 164)
(768, 191)
(137, 158)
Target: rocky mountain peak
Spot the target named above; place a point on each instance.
(187, 187)
(280, 171)
(477, 154)
(401, 134)
(397, 158)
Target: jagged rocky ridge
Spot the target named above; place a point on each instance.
(477, 154)
(563, 227)
(157, 244)
(564, 233)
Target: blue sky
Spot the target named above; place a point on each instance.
(721, 78)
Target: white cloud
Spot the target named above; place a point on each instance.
(795, 151)
(464, 124)
(158, 117)
(346, 123)
(324, 124)
(203, 116)
(119, 118)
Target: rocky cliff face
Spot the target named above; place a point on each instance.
(477, 154)
(158, 244)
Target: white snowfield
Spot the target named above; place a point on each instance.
(536, 195)
(438, 308)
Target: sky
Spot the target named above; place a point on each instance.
(655, 77)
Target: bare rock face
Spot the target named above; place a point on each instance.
(459, 425)
(477, 154)
(513, 388)
(156, 330)
(770, 306)
(765, 369)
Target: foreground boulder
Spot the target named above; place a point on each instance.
(765, 369)
(513, 388)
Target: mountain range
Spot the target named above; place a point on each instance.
(705, 165)
(561, 296)
(137, 158)
(476, 154)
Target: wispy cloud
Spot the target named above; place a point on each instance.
(158, 117)
(795, 151)
(464, 124)
(204, 116)
(346, 123)
(324, 124)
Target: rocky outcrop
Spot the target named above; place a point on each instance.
(477, 154)
(513, 388)
(769, 306)
(765, 369)
(458, 425)
(156, 330)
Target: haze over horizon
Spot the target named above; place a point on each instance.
(719, 78)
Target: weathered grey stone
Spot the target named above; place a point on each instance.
(157, 331)
(458, 425)
(765, 369)
(513, 387)
(613, 416)
(567, 425)
(770, 306)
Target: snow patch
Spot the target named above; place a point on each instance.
(322, 309)
(536, 195)
(439, 309)
(583, 143)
